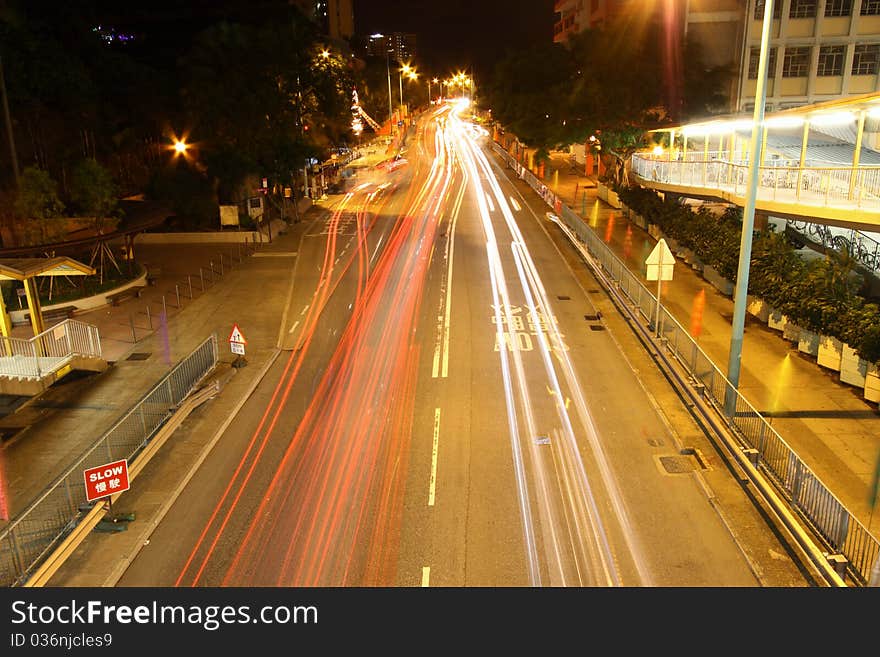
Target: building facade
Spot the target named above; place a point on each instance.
(402, 47)
(819, 50)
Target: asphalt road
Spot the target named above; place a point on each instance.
(448, 411)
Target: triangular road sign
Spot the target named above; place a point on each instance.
(660, 262)
(236, 335)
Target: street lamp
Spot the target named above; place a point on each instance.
(745, 247)
(435, 81)
(405, 69)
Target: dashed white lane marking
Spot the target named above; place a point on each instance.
(491, 205)
(304, 310)
(295, 324)
(433, 485)
(426, 575)
(515, 205)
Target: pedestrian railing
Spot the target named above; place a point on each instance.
(806, 494)
(36, 357)
(824, 186)
(35, 532)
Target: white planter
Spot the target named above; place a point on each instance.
(717, 280)
(758, 308)
(872, 383)
(791, 331)
(852, 368)
(808, 342)
(830, 352)
(776, 320)
(639, 220)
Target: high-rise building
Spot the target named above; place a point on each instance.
(336, 17)
(819, 50)
(400, 46)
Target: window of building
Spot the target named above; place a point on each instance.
(831, 60)
(838, 7)
(866, 58)
(796, 62)
(870, 8)
(802, 9)
(754, 53)
(777, 9)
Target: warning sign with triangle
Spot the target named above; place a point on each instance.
(660, 262)
(236, 335)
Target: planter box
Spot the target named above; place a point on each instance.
(758, 308)
(852, 368)
(872, 383)
(808, 343)
(776, 320)
(718, 281)
(613, 200)
(639, 220)
(830, 352)
(791, 331)
(654, 231)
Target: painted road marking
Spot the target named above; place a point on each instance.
(491, 205)
(434, 449)
(441, 366)
(515, 205)
(304, 310)
(426, 575)
(295, 324)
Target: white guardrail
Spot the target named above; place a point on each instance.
(31, 359)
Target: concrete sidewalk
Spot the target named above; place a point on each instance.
(827, 423)
(50, 432)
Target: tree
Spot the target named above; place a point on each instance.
(265, 94)
(93, 191)
(38, 195)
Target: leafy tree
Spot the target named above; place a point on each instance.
(38, 195)
(93, 191)
(264, 99)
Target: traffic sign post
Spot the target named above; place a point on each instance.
(236, 346)
(659, 263)
(106, 480)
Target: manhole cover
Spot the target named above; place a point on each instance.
(139, 355)
(594, 291)
(677, 464)
(562, 297)
(597, 327)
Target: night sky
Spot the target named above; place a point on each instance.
(460, 33)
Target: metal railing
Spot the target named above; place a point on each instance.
(862, 248)
(824, 186)
(802, 489)
(20, 358)
(32, 535)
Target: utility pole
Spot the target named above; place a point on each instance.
(390, 108)
(9, 125)
(748, 222)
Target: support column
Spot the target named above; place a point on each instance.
(857, 152)
(33, 300)
(5, 327)
(805, 136)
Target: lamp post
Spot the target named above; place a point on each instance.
(745, 247)
(390, 108)
(403, 69)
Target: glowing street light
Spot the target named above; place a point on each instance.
(325, 54)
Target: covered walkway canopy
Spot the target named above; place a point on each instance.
(820, 161)
(26, 270)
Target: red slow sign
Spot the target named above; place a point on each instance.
(107, 479)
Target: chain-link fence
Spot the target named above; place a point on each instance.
(799, 485)
(31, 536)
